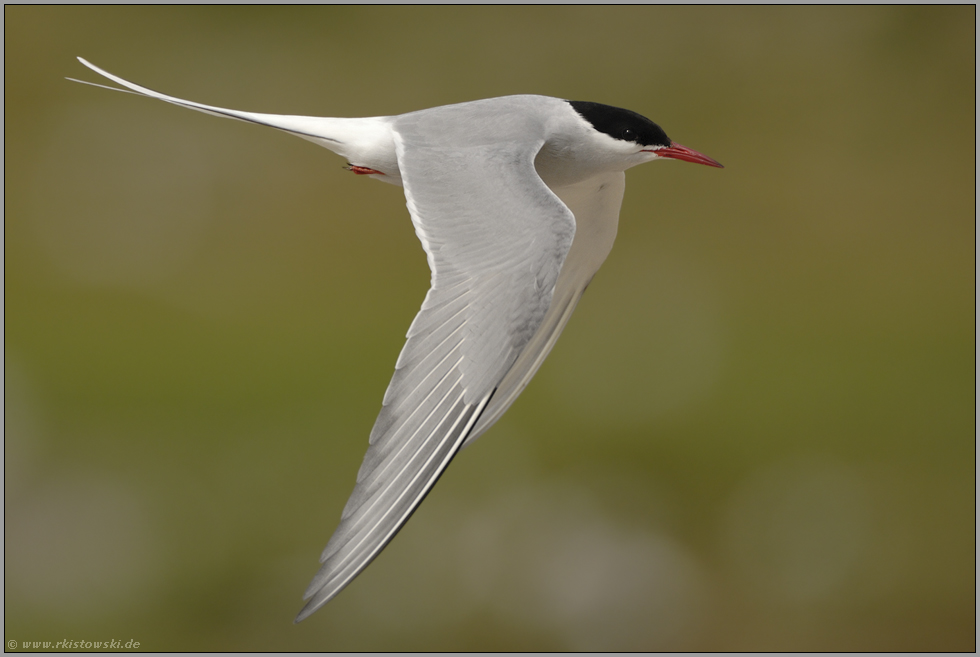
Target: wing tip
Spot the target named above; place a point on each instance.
(314, 600)
(329, 581)
(308, 610)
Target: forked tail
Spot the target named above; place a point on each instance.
(321, 130)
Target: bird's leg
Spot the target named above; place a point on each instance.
(362, 171)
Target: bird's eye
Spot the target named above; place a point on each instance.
(628, 134)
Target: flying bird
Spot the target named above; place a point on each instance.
(516, 202)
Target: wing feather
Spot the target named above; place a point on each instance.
(355, 544)
(406, 427)
(495, 238)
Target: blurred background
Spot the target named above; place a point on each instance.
(757, 433)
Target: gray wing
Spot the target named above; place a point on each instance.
(495, 237)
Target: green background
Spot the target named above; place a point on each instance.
(757, 433)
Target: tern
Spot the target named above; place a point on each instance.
(516, 202)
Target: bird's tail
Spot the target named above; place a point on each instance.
(325, 131)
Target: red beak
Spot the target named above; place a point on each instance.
(677, 152)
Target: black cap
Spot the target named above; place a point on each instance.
(621, 123)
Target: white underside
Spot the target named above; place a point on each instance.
(595, 203)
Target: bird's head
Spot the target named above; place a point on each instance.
(633, 137)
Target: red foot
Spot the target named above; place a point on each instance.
(362, 171)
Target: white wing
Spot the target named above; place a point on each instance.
(495, 237)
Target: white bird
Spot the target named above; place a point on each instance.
(516, 202)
